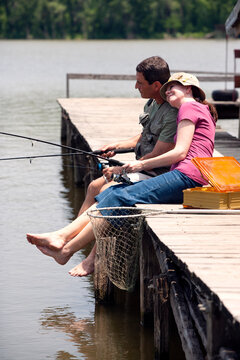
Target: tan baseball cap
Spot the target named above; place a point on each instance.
(185, 79)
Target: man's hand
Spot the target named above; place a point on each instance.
(108, 150)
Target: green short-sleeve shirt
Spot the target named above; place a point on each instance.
(163, 120)
(159, 122)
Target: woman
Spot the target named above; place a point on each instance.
(196, 123)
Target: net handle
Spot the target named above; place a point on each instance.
(143, 212)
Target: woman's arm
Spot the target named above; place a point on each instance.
(179, 152)
(160, 147)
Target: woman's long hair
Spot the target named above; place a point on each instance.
(211, 107)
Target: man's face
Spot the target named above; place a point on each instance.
(145, 89)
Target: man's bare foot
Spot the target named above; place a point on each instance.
(60, 256)
(86, 267)
(51, 240)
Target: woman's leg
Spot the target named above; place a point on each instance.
(58, 239)
(61, 256)
(163, 189)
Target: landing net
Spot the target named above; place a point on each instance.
(118, 232)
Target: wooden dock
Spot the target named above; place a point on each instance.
(189, 263)
(196, 257)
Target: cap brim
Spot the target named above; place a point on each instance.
(164, 89)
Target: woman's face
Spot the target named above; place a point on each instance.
(176, 94)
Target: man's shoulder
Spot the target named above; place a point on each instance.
(148, 105)
(168, 107)
(167, 111)
(149, 102)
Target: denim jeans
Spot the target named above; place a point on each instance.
(163, 189)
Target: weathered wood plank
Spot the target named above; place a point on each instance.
(102, 120)
(210, 253)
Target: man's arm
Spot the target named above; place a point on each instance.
(122, 144)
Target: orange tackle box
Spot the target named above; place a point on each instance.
(223, 175)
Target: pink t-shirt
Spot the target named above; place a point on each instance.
(203, 139)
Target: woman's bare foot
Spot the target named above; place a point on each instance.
(60, 256)
(86, 267)
(51, 240)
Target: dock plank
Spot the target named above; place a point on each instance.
(102, 120)
(209, 253)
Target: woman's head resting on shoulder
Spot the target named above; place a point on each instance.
(186, 83)
(182, 87)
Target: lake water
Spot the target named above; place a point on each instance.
(45, 313)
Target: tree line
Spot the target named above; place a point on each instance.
(111, 19)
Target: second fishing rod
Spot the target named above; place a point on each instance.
(96, 153)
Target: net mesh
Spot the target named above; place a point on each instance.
(118, 232)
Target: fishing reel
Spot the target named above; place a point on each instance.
(122, 178)
(119, 178)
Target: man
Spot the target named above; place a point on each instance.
(157, 137)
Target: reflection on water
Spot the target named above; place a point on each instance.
(114, 333)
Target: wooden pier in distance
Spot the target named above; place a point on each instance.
(189, 263)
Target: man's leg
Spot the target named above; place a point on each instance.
(86, 267)
(93, 190)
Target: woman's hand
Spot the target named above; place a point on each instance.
(133, 166)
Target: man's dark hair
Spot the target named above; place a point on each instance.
(153, 69)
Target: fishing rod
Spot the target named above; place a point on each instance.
(35, 156)
(96, 153)
(118, 151)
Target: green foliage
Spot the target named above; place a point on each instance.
(111, 19)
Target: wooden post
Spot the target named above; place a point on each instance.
(222, 334)
(67, 86)
(63, 125)
(161, 316)
(189, 338)
(148, 268)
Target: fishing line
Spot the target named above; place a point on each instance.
(111, 162)
(35, 156)
(48, 156)
(96, 153)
